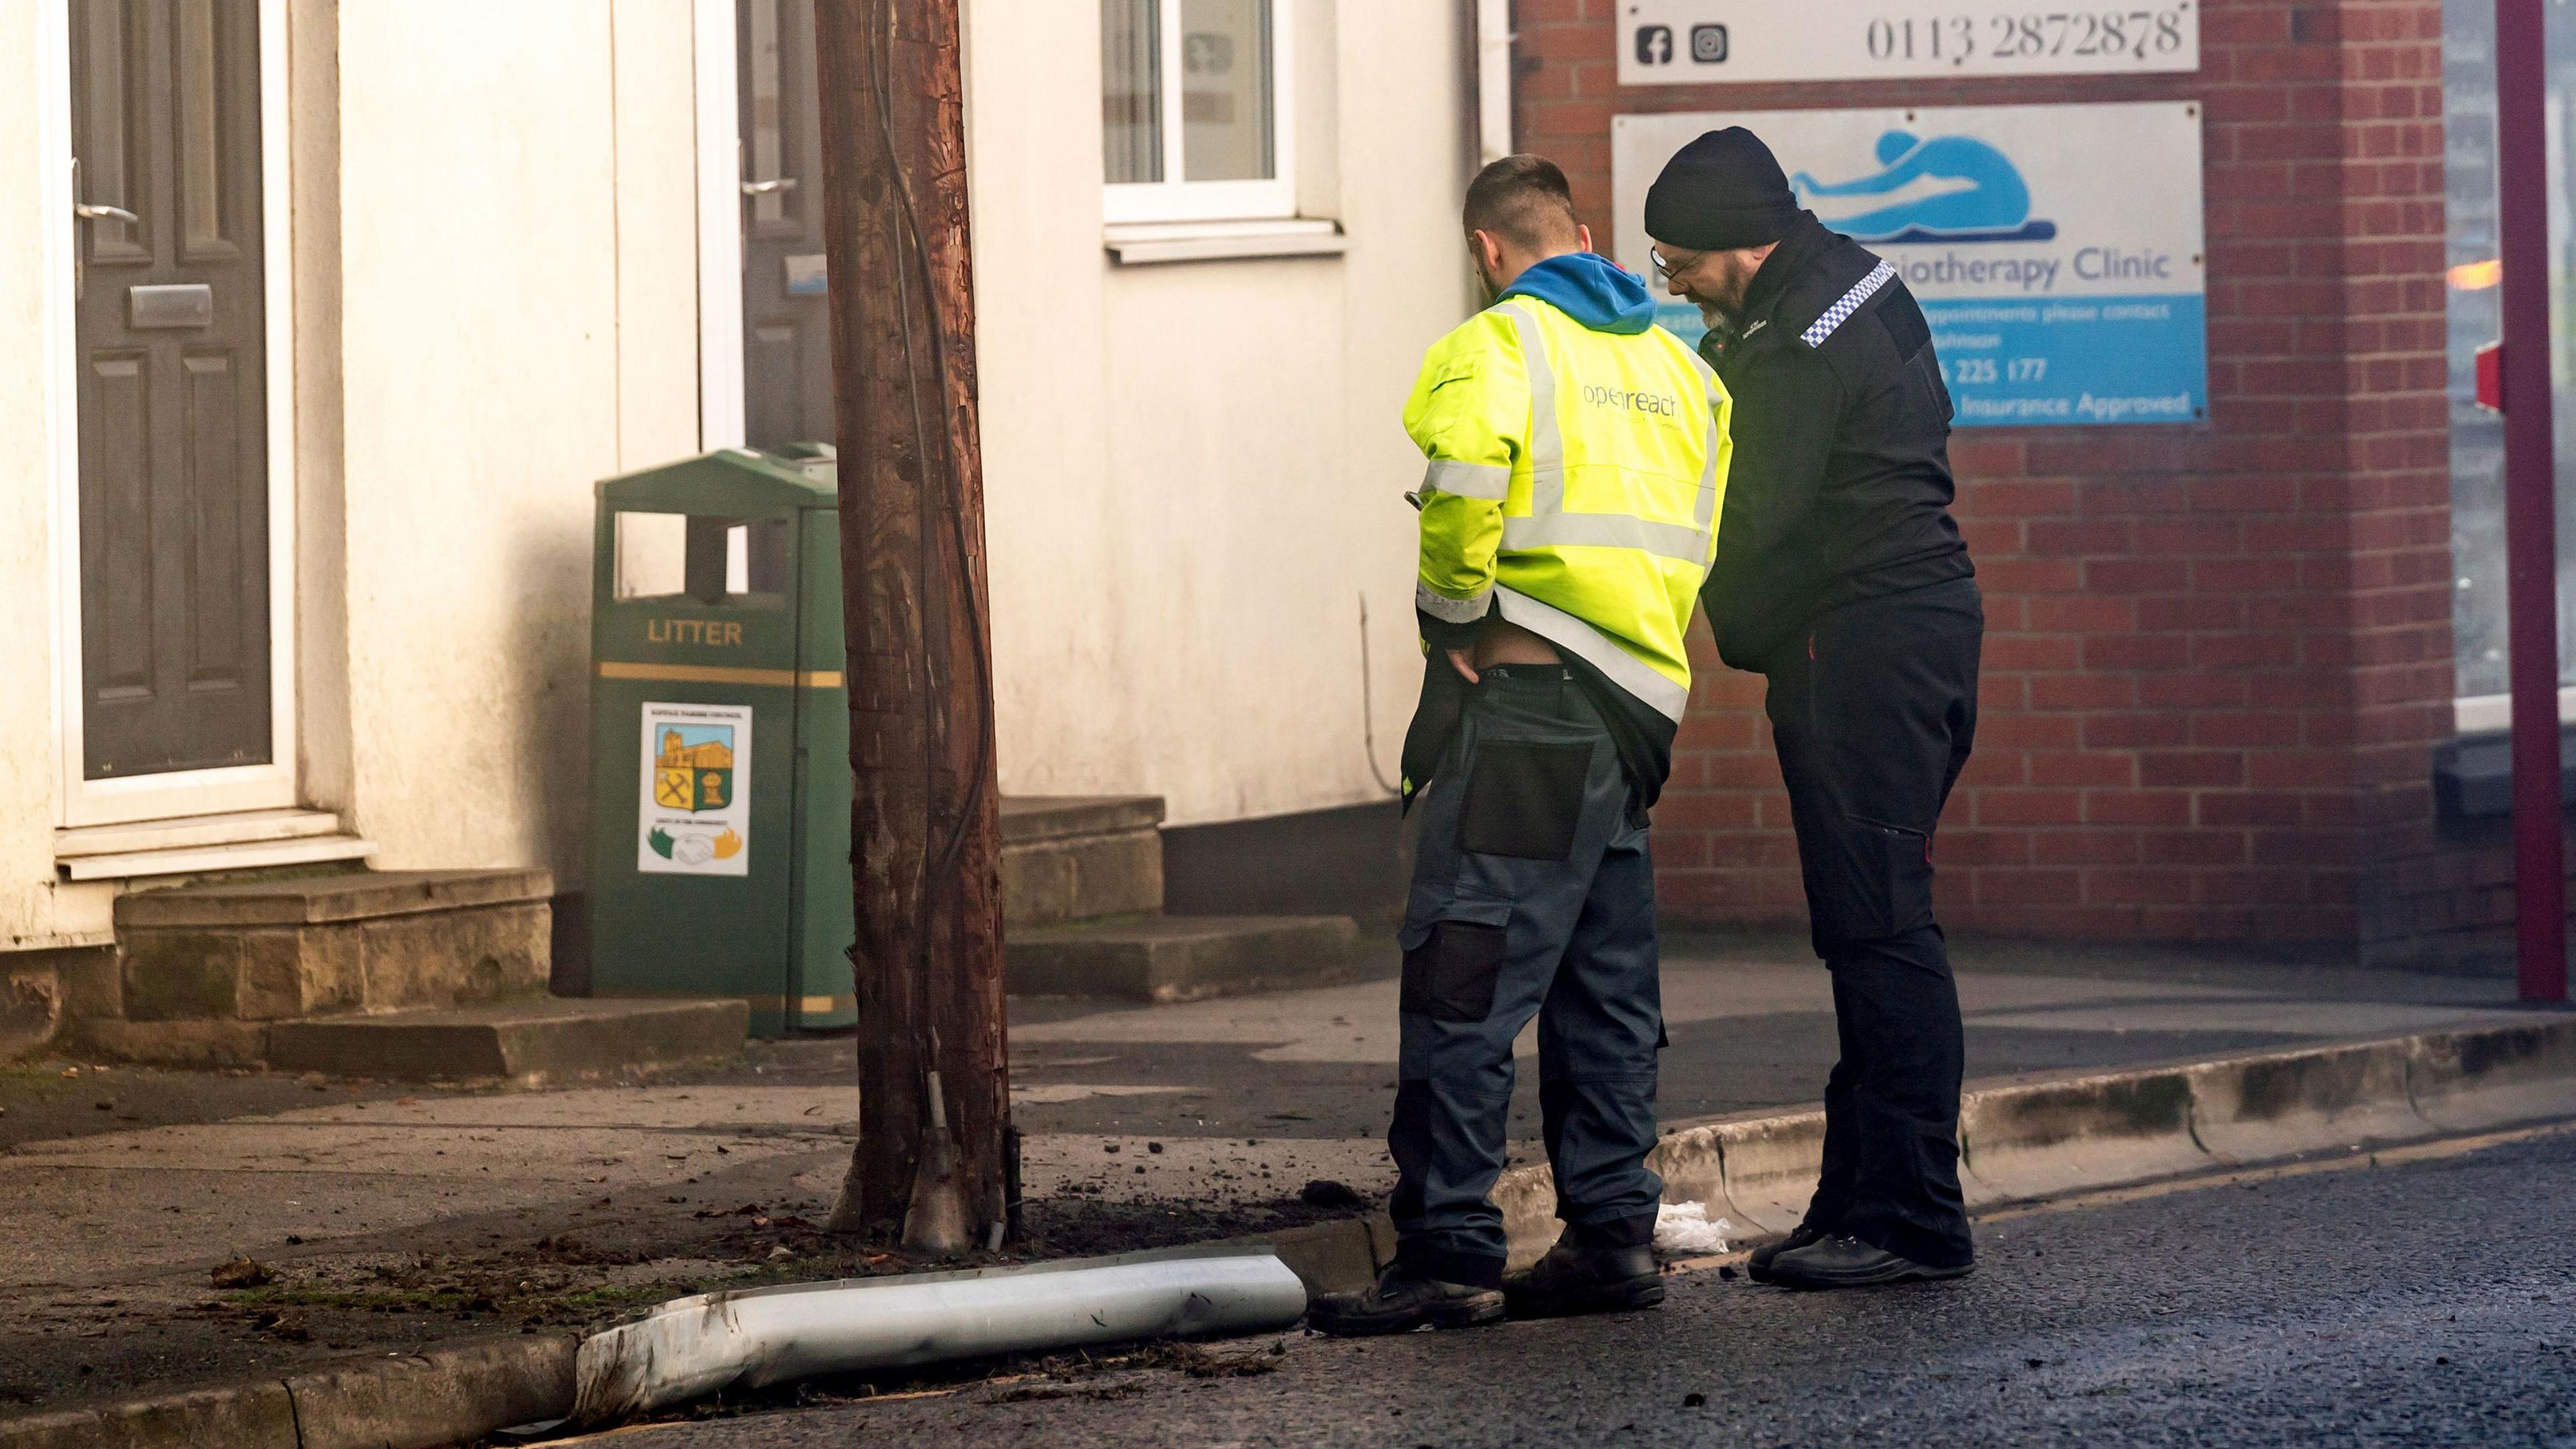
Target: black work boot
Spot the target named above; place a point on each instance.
(1404, 1299)
(1847, 1262)
(1758, 1268)
(1585, 1277)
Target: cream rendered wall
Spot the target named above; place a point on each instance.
(657, 236)
(1194, 472)
(28, 907)
(518, 320)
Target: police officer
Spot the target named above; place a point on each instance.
(1577, 464)
(1843, 580)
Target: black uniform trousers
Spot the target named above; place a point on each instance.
(1873, 708)
(1533, 894)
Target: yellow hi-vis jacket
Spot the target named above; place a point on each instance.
(1576, 482)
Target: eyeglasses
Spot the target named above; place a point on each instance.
(1664, 267)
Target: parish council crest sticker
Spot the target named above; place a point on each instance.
(692, 818)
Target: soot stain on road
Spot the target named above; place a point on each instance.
(2401, 1305)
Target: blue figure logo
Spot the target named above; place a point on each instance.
(1993, 204)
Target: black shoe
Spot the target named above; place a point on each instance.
(1403, 1300)
(1851, 1263)
(1573, 1279)
(1804, 1234)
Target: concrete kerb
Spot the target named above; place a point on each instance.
(2284, 1104)
(2022, 1142)
(1766, 1167)
(2473, 1080)
(456, 1393)
(2032, 1140)
(2018, 1142)
(241, 1416)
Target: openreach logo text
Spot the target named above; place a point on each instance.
(1662, 405)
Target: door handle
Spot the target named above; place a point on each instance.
(770, 187)
(86, 212)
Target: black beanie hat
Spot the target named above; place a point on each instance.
(1720, 192)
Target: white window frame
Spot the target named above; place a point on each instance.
(2492, 714)
(1184, 200)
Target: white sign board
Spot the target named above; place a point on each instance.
(694, 816)
(1705, 42)
(2056, 249)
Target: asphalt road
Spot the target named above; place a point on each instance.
(2419, 1302)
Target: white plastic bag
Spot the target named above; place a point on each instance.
(1684, 1229)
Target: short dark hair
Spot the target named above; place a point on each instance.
(1524, 200)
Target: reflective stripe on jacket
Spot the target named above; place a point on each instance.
(1576, 480)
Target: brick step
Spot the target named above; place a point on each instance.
(1079, 857)
(530, 1043)
(1183, 958)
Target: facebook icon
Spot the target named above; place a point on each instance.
(1654, 45)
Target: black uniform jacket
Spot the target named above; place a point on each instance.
(1841, 483)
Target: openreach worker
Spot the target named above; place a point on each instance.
(1577, 463)
(1842, 578)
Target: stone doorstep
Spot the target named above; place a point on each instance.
(1030, 818)
(1081, 877)
(1183, 958)
(528, 1042)
(329, 899)
(492, 951)
(1079, 858)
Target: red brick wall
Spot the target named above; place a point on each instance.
(2219, 654)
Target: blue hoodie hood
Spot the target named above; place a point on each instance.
(1591, 289)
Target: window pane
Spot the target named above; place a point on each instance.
(765, 141)
(2477, 436)
(1227, 125)
(1131, 105)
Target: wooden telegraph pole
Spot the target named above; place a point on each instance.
(926, 817)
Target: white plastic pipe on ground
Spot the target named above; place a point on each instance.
(693, 1347)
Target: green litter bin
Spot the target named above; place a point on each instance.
(720, 738)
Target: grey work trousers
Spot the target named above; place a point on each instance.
(1533, 893)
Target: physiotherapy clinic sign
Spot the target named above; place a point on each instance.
(2057, 250)
(1711, 42)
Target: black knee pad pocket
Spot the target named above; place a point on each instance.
(1453, 973)
(1524, 799)
(1877, 883)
